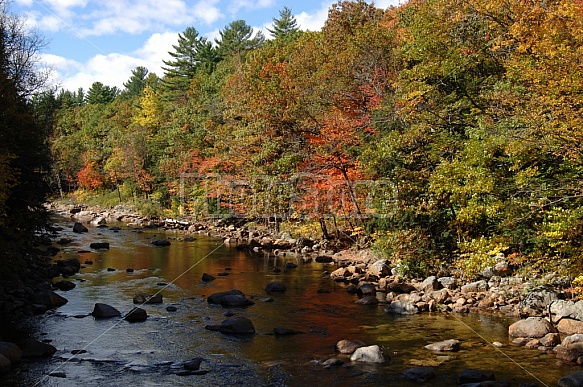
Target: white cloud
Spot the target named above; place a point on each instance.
(314, 21)
(111, 69)
(236, 5)
(207, 11)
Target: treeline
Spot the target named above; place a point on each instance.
(448, 131)
(24, 152)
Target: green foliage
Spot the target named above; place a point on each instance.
(286, 26)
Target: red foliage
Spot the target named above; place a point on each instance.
(89, 177)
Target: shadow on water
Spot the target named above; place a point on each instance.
(152, 353)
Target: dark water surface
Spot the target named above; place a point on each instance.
(151, 353)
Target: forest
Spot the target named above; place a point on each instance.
(444, 133)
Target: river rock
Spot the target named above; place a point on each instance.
(290, 265)
(216, 298)
(569, 326)
(207, 277)
(235, 301)
(286, 332)
(419, 374)
(370, 354)
(402, 307)
(366, 290)
(550, 340)
(161, 242)
(537, 300)
(439, 296)
(474, 287)
(474, 376)
(11, 351)
(193, 365)
(348, 346)
(380, 268)
(136, 315)
(451, 345)
(104, 311)
(99, 245)
(275, 287)
(32, 348)
(148, 299)
(64, 285)
(532, 327)
(572, 380)
(237, 325)
(572, 339)
(400, 287)
(448, 282)
(570, 354)
(430, 284)
(49, 299)
(69, 266)
(324, 259)
(99, 221)
(333, 362)
(79, 228)
(340, 274)
(563, 308)
(367, 300)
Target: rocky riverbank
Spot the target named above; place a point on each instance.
(372, 280)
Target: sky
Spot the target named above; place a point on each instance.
(104, 40)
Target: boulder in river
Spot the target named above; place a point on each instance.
(64, 285)
(402, 307)
(474, 376)
(216, 298)
(451, 345)
(370, 354)
(419, 374)
(366, 290)
(572, 380)
(104, 311)
(136, 315)
(286, 332)
(161, 242)
(236, 301)
(32, 348)
(275, 287)
(49, 299)
(148, 299)
(79, 228)
(367, 300)
(207, 277)
(532, 327)
(569, 326)
(237, 325)
(99, 245)
(348, 346)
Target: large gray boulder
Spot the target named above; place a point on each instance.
(380, 268)
(563, 308)
(569, 326)
(370, 354)
(532, 327)
(474, 287)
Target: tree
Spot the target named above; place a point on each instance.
(99, 93)
(237, 39)
(284, 27)
(136, 83)
(23, 148)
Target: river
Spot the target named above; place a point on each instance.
(152, 353)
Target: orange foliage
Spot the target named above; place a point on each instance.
(89, 177)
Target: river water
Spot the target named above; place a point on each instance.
(152, 353)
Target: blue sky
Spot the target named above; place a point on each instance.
(104, 40)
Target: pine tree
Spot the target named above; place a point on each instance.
(237, 38)
(285, 26)
(136, 83)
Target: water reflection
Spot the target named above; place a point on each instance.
(120, 353)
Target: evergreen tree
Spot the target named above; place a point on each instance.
(285, 26)
(136, 83)
(237, 38)
(99, 93)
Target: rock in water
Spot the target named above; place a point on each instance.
(216, 298)
(207, 277)
(32, 348)
(49, 299)
(99, 245)
(572, 380)
(451, 345)
(136, 315)
(79, 228)
(532, 327)
(348, 346)
(275, 287)
(105, 311)
(237, 325)
(371, 354)
(419, 374)
(161, 242)
(11, 351)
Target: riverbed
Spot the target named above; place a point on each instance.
(114, 352)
